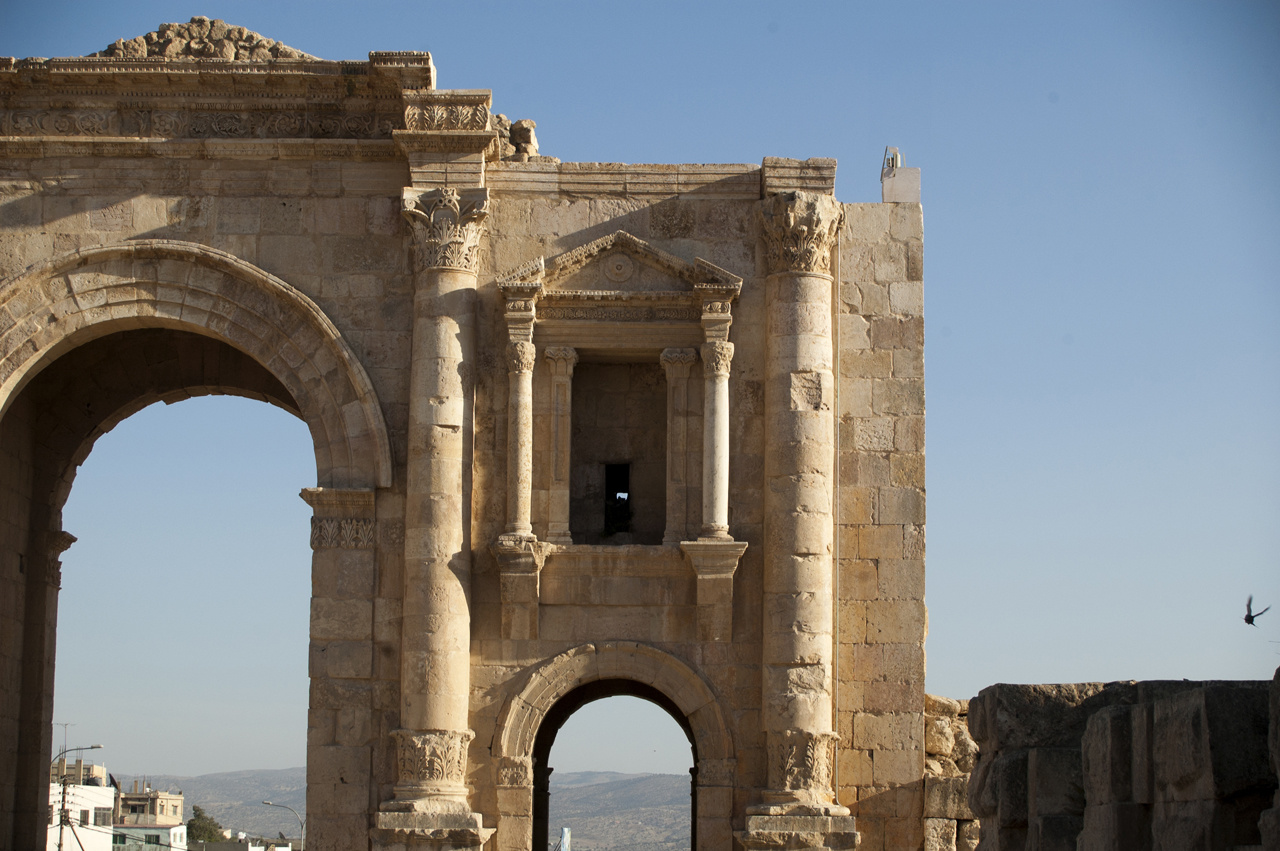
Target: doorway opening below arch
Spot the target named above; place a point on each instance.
(560, 714)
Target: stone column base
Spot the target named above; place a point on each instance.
(436, 831)
(801, 833)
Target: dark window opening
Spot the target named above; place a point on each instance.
(617, 499)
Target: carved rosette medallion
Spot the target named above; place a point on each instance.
(802, 761)
(800, 229)
(447, 227)
(716, 358)
(432, 757)
(521, 356)
(342, 533)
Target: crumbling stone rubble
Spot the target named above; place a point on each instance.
(517, 140)
(202, 38)
(950, 755)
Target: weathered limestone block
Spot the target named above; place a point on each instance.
(939, 834)
(1210, 743)
(947, 797)
(967, 835)
(1269, 823)
(1116, 827)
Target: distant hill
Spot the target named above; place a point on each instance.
(604, 809)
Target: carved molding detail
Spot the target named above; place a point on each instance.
(202, 38)
(521, 356)
(342, 533)
(515, 771)
(716, 357)
(800, 229)
(567, 355)
(801, 760)
(447, 227)
(671, 357)
(203, 124)
(59, 543)
(604, 313)
(432, 756)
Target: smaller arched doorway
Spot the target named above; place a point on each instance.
(551, 691)
(563, 710)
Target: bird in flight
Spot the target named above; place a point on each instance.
(1249, 615)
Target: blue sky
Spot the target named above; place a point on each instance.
(1102, 225)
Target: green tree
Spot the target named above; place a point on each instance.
(203, 827)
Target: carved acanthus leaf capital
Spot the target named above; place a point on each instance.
(800, 760)
(432, 756)
(716, 357)
(447, 226)
(521, 356)
(800, 229)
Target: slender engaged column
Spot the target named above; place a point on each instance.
(677, 363)
(562, 360)
(716, 357)
(521, 357)
(435, 643)
(800, 230)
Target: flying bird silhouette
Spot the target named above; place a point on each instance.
(1249, 615)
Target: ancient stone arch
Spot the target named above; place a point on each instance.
(519, 337)
(522, 717)
(86, 294)
(81, 332)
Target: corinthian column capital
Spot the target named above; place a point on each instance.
(447, 226)
(521, 356)
(716, 358)
(800, 230)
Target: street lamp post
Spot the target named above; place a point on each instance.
(62, 778)
(302, 824)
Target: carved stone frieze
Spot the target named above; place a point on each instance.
(800, 229)
(800, 760)
(342, 533)
(427, 110)
(432, 756)
(611, 313)
(521, 356)
(447, 226)
(199, 124)
(716, 357)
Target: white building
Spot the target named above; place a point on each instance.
(80, 817)
(150, 837)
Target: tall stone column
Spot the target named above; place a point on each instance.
(521, 357)
(562, 360)
(430, 804)
(716, 357)
(798, 807)
(677, 363)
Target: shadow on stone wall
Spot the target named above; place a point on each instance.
(1129, 766)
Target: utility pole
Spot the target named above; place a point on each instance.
(64, 817)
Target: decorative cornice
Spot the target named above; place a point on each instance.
(800, 229)
(339, 502)
(447, 226)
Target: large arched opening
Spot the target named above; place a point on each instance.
(552, 691)
(93, 337)
(556, 719)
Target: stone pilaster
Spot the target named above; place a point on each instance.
(521, 357)
(677, 363)
(562, 360)
(799, 230)
(430, 804)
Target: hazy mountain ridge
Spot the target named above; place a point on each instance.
(604, 809)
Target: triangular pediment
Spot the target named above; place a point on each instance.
(202, 38)
(620, 265)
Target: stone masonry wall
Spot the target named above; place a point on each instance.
(950, 756)
(880, 521)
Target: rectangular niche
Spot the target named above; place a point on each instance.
(619, 433)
